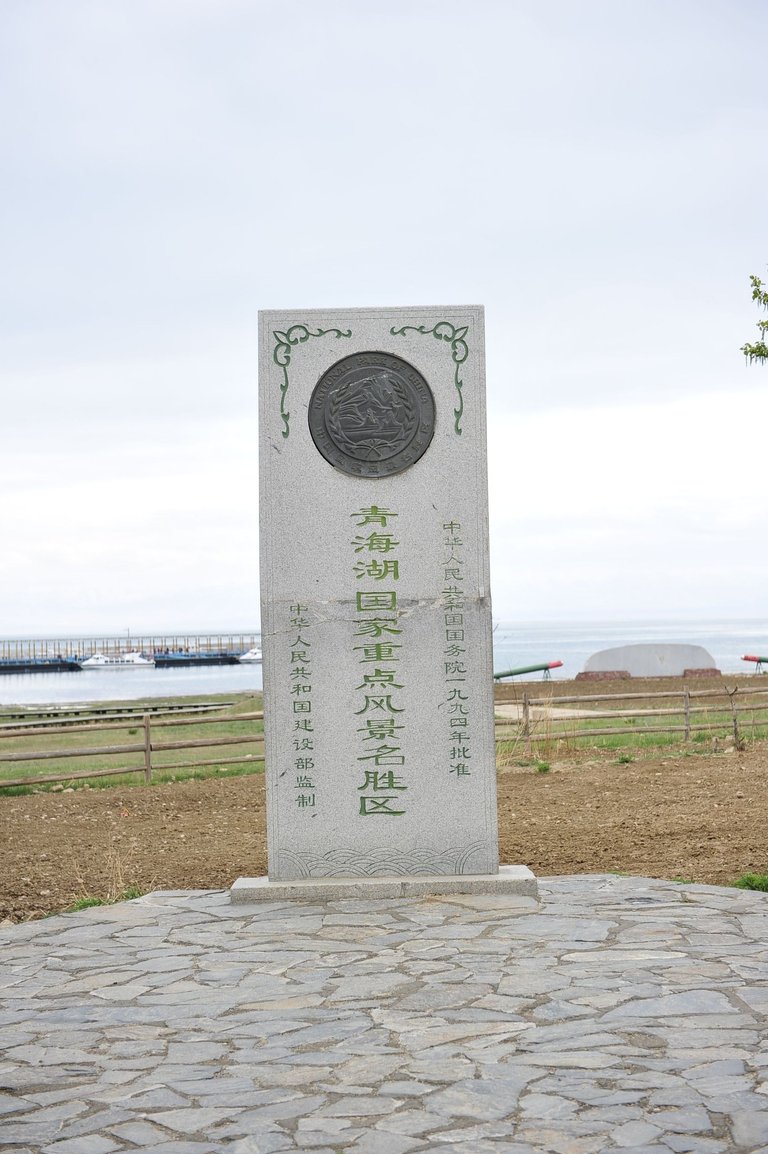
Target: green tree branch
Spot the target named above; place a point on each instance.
(759, 350)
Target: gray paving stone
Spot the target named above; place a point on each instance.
(60, 1113)
(85, 1144)
(361, 1106)
(220, 1090)
(139, 1133)
(603, 1116)
(377, 1068)
(248, 1122)
(152, 1099)
(317, 1140)
(29, 1130)
(557, 1143)
(406, 1089)
(489, 1098)
(312, 1123)
(441, 996)
(193, 1119)
(183, 1147)
(94, 1123)
(440, 1071)
(373, 1142)
(570, 1059)
(695, 1144)
(412, 1123)
(687, 1118)
(730, 1103)
(546, 1107)
(635, 1133)
(192, 1052)
(479, 1146)
(750, 1127)
(260, 1144)
(674, 1005)
(295, 1108)
(623, 1016)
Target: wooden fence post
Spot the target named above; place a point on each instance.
(527, 723)
(687, 712)
(147, 750)
(734, 714)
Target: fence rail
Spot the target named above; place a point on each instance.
(538, 719)
(549, 718)
(147, 746)
(53, 715)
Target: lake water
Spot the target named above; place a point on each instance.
(515, 644)
(126, 684)
(518, 645)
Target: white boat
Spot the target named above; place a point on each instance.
(117, 661)
(252, 657)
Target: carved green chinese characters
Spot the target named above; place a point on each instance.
(376, 626)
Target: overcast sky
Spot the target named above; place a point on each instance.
(592, 171)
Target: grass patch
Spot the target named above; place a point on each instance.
(88, 903)
(161, 776)
(655, 724)
(752, 882)
(126, 737)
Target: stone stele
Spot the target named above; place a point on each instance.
(376, 610)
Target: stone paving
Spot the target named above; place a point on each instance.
(620, 1014)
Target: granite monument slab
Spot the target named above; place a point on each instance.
(376, 608)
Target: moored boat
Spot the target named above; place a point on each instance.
(117, 661)
(252, 657)
(174, 658)
(39, 665)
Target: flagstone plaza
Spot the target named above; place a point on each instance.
(615, 1013)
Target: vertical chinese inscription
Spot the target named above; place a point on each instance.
(457, 696)
(376, 613)
(377, 645)
(300, 679)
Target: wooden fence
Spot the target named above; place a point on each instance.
(148, 724)
(681, 712)
(684, 712)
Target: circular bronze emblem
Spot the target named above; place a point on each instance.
(372, 415)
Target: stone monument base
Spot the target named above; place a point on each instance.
(511, 879)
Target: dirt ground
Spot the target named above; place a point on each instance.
(698, 814)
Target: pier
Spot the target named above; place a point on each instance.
(46, 648)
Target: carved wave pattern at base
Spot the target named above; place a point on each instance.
(387, 862)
